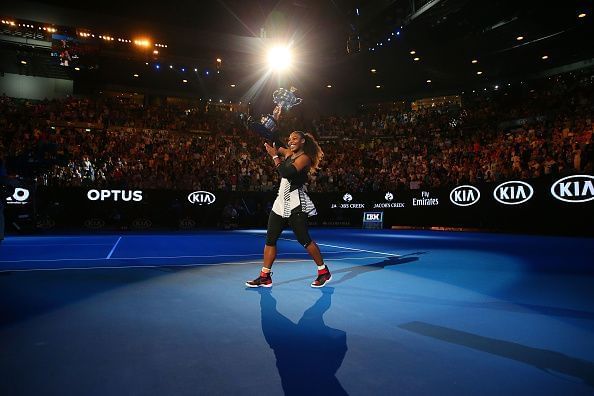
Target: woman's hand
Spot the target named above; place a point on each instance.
(271, 150)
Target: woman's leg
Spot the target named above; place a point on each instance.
(273, 231)
(314, 252)
(269, 256)
(275, 227)
(298, 223)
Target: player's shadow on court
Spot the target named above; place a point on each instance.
(543, 359)
(356, 270)
(352, 272)
(308, 353)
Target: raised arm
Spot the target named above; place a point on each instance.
(276, 113)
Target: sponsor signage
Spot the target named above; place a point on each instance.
(19, 197)
(425, 200)
(574, 189)
(201, 198)
(373, 217)
(513, 192)
(347, 203)
(465, 195)
(389, 197)
(115, 195)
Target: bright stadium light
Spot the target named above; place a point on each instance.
(279, 58)
(143, 43)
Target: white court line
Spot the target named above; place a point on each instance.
(181, 265)
(348, 248)
(113, 248)
(47, 237)
(55, 244)
(52, 260)
(215, 255)
(154, 257)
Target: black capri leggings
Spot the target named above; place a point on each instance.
(298, 222)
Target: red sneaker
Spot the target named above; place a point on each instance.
(324, 277)
(261, 281)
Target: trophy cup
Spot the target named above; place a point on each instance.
(268, 126)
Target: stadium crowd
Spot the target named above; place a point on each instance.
(520, 132)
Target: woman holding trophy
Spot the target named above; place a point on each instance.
(292, 205)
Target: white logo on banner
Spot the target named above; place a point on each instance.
(373, 217)
(19, 196)
(574, 189)
(347, 198)
(425, 200)
(386, 205)
(513, 192)
(201, 198)
(115, 195)
(465, 195)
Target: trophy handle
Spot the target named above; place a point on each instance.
(298, 101)
(275, 95)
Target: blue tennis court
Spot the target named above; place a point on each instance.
(407, 312)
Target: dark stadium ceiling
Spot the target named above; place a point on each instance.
(446, 35)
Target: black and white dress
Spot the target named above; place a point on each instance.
(292, 194)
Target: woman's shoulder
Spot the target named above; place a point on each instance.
(303, 156)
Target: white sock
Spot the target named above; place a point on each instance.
(321, 267)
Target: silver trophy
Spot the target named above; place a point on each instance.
(284, 99)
